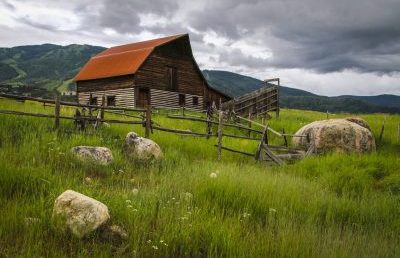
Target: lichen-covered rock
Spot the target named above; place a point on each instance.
(141, 149)
(79, 213)
(99, 155)
(359, 121)
(342, 135)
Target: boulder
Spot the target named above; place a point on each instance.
(141, 149)
(99, 155)
(343, 135)
(79, 213)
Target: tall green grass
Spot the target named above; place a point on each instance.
(336, 205)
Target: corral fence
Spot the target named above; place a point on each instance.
(95, 114)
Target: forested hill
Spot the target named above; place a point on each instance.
(41, 69)
(236, 85)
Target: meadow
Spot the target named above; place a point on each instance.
(334, 205)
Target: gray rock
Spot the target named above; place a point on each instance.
(342, 135)
(79, 213)
(141, 149)
(99, 155)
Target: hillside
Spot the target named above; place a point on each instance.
(237, 85)
(41, 69)
(335, 205)
(49, 67)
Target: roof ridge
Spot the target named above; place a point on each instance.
(153, 39)
(118, 53)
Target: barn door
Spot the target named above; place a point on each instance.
(143, 97)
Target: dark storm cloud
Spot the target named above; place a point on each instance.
(324, 36)
(123, 15)
(30, 22)
(9, 6)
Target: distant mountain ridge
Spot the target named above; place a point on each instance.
(39, 70)
(236, 85)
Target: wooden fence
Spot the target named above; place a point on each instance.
(258, 102)
(143, 117)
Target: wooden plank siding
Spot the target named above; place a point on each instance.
(153, 75)
(169, 99)
(124, 97)
(112, 83)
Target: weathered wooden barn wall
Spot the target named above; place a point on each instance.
(154, 74)
(123, 97)
(111, 83)
(121, 87)
(213, 95)
(169, 99)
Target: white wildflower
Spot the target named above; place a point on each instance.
(213, 175)
(245, 215)
(155, 247)
(135, 191)
(88, 180)
(272, 210)
(129, 206)
(188, 196)
(128, 201)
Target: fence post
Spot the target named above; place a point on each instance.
(148, 121)
(90, 103)
(284, 137)
(208, 124)
(381, 133)
(103, 104)
(249, 123)
(220, 117)
(183, 110)
(57, 112)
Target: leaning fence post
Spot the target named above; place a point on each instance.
(57, 112)
(148, 121)
(220, 117)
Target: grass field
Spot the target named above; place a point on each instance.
(336, 205)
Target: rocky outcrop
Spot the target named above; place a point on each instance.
(141, 149)
(79, 213)
(343, 135)
(99, 155)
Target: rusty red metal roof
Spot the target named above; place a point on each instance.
(120, 60)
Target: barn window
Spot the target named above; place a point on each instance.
(111, 101)
(93, 101)
(195, 101)
(172, 79)
(182, 100)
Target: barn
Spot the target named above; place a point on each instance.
(161, 72)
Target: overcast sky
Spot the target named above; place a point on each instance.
(327, 47)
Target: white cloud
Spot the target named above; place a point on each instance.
(233, 36)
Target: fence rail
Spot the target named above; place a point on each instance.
(223, 120)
